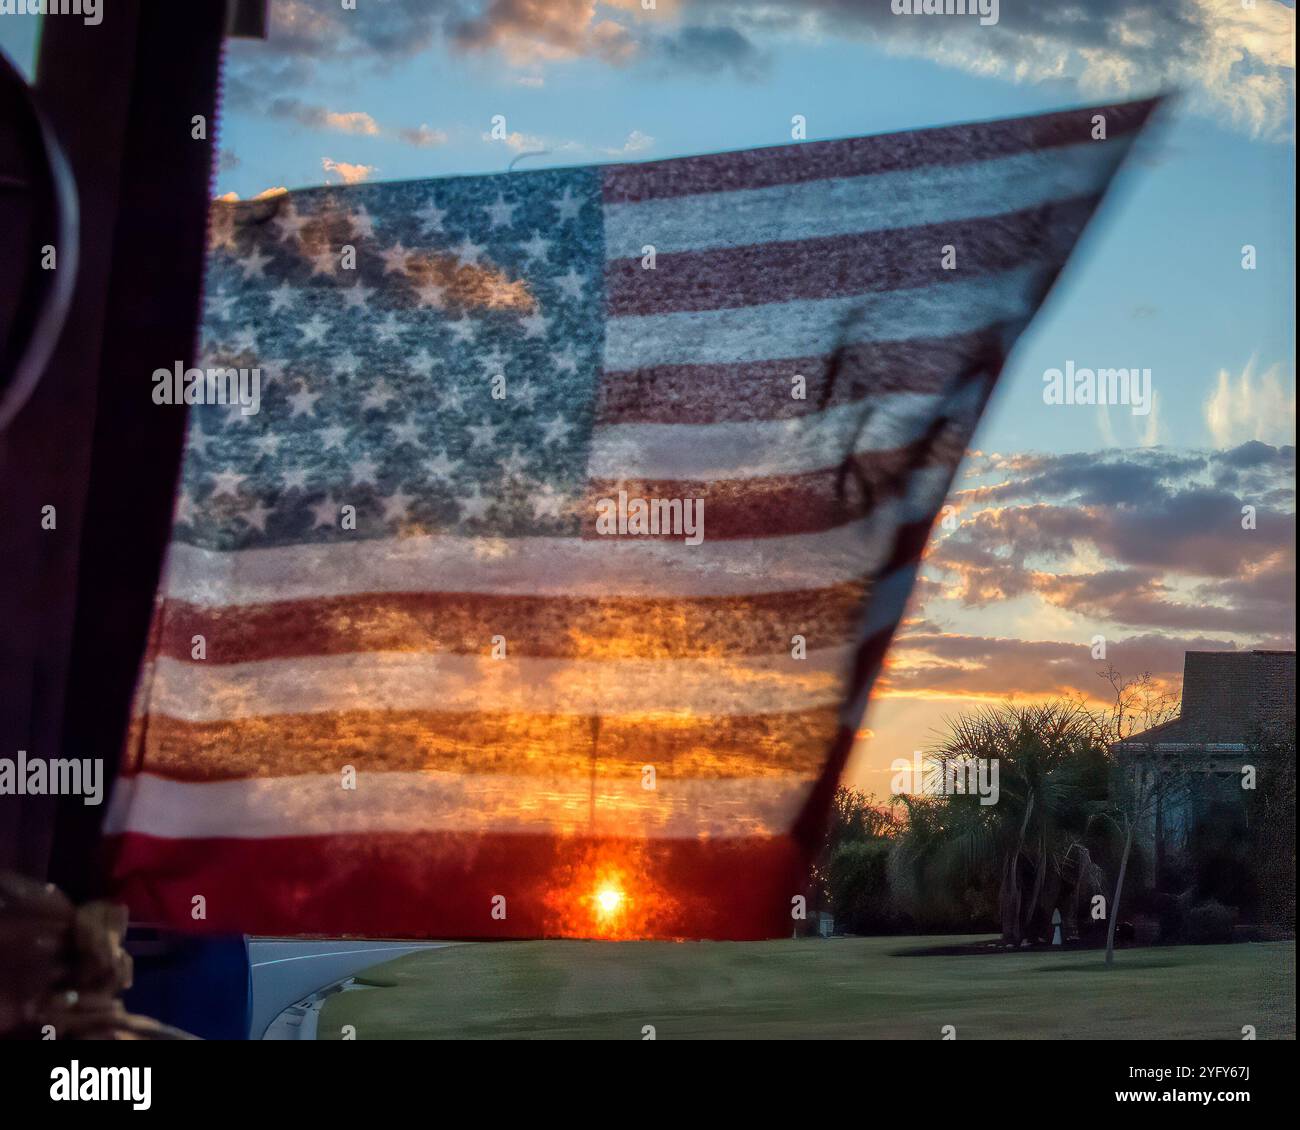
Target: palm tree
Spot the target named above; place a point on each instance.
(1051, 768)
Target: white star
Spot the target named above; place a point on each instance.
(281, 296)
(304, 402)
(430, 217)
(268, 444)
(571, 284)
(324, 263)
(500, 213)
(547, 502)
(387, 329)
(235, 414)
(431, 294)
(245, 341)
(185, 509)
(567, 205)
(364, 470)
(358, 294)
(226, 482)
(256, 516)
(253, 264)
(493, 364)
(198, 439)
(473, 505)
(332, 437)
(526, 393)
(362, 223)
(313, 329)
(326, 512)
(395, 258)
(289, 222)
(347, 362)
(408, 431)
(222, 233)
(537, 247)
(514, 464)
(451, 399)
(556, 429)
(421, 363)
(396, 505)
(484, 434)
(462, 329)
(294, 480)
(467, 251)
(218, 305)
(440, 467)
(378, 396)
(272, 370)
(564, 361)
(535, 324)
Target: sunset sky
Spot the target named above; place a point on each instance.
(1072, 521)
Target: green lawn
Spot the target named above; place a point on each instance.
(813, 988)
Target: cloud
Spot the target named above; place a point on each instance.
(637, 142)
(929, 662)
(422, 136)
(527, 32)
(1236, 62)
(712, 51)
(1144, 539)
(1251, 407)
(348, 174)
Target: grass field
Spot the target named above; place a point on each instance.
(813, 988)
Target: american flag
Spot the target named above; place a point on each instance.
(399, 680)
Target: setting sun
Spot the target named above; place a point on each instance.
(608, 900)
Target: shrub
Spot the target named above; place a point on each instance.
(1210, 921)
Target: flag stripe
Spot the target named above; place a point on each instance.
(448, 884)
(756, 449)
(782, 329)
(937, 194)
(856, 156)
(534, 626)
(436, 801)
(376, 741)
(459, 683)
(557, 567)
(764, 390)
(863, 263)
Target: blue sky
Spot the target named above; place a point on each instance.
(406, 89)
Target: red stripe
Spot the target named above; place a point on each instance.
(857, 156)
(442, 885)
(543, 627)
(761, 390)
(782, 505)
(838, 266)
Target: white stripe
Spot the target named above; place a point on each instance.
(525, 566)
(750, 449)
(387, 680)
(812, 327)
(846, 205)
(435, 801)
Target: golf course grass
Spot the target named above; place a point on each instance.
(817, 989)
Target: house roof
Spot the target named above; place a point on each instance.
(1229, 697)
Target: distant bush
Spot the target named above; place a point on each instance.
(1210, 921)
